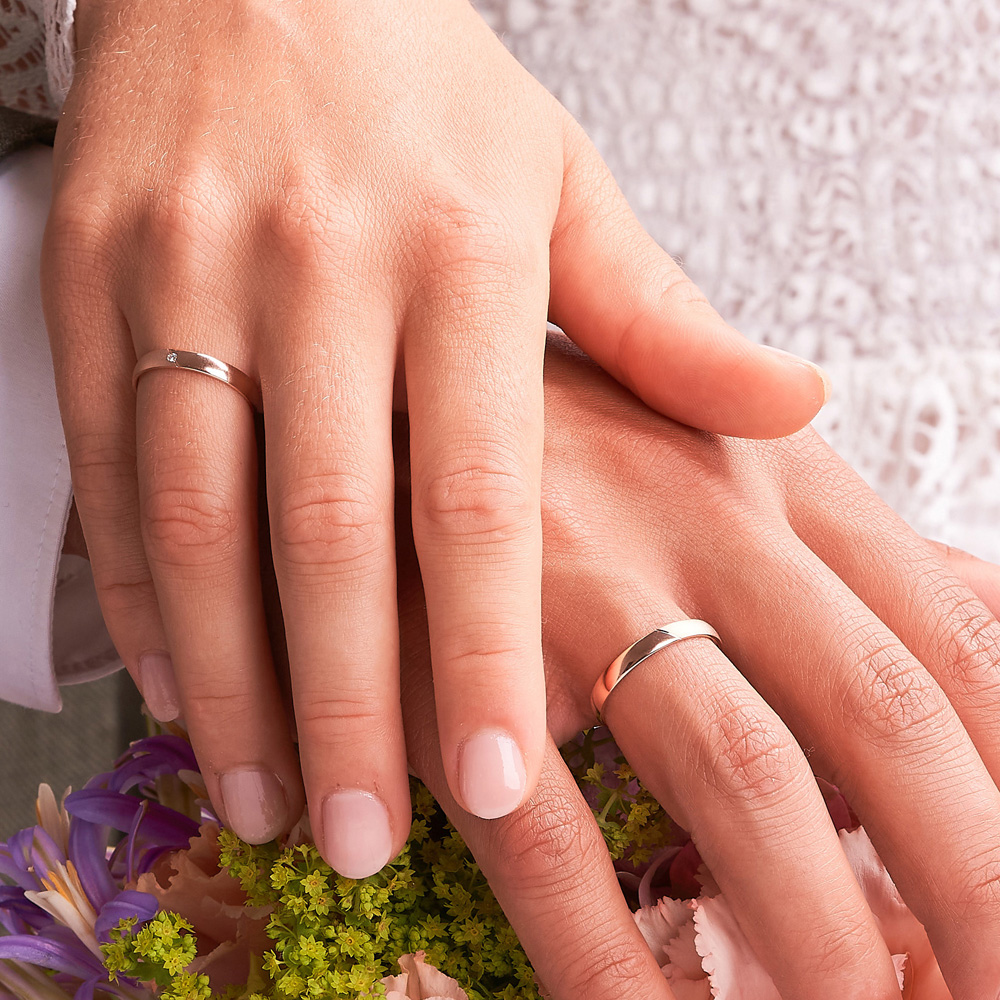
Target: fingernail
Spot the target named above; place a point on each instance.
(356, 833)
(159, 686)
(491, 774)
(255, 804)
(823, 377)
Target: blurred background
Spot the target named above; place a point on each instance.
(97, 723)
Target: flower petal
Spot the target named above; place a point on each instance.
(127, 904)
(49, 954)
(732, 965)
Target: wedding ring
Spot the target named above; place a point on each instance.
(193, 362)
(659, 638)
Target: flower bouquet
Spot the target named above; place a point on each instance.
(130, 888)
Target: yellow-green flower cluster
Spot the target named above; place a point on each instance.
(630, 819)
(158, 952)
(337, 937)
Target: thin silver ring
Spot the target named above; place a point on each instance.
(192, 361)
(643, 649)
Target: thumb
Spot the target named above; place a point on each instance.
(980, 576)
(628, 305)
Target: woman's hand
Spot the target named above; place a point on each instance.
(853, 651)
(317, 194)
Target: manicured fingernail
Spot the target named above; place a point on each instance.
(491, 774)
(255, 804)
(356, 833)
(823, 377)
(159, 686)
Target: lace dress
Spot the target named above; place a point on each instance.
(828, 171)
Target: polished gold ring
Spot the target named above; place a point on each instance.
(643, 649)
(192, 361)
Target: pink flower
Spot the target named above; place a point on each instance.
(420, 981)
(229, 931)
(705, 955)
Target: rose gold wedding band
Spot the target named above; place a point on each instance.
(204, 363)
(659, 638)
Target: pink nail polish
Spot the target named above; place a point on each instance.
(491, 773)
(357, 836)
(159, 686)
(255, 804)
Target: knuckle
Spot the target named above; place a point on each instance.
(189, 213)
(750, 758)
(467, 234)
(980, 895)
(188, 526)
(670, 293)
(306, 226)
(548, 847)
(120, 593)
(103, 467)
(77, 242)
(335, 723)
(221, 708)
(969, 644)
(888, 697)
(329, 521)
(477, 502)
(613, 967)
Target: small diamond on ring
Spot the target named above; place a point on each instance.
(171, 356)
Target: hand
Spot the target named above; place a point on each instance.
(315, 193)
(852, 645)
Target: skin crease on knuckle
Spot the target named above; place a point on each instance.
(329, 526)
(888, 697)
(476, 502)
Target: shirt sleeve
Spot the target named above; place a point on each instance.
(51, 630)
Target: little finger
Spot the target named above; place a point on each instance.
(198, 480)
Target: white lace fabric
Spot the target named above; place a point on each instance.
(36, 54)
(829, 172)
(23, 81)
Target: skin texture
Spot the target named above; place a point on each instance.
(337, 197)
(819, 592)
(856, 650)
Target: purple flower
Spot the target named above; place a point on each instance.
(63, 889)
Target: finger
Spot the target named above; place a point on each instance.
(629, 305)
(980, 576)
(93, 357)
(726, 767)
(905, 583)
(884, 731)
(198, 477)
(476, 436)
(546, 862)
(330, 493)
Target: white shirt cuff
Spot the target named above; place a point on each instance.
(51, 630)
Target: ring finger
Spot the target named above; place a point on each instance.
(197, 477)
(721, 761)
